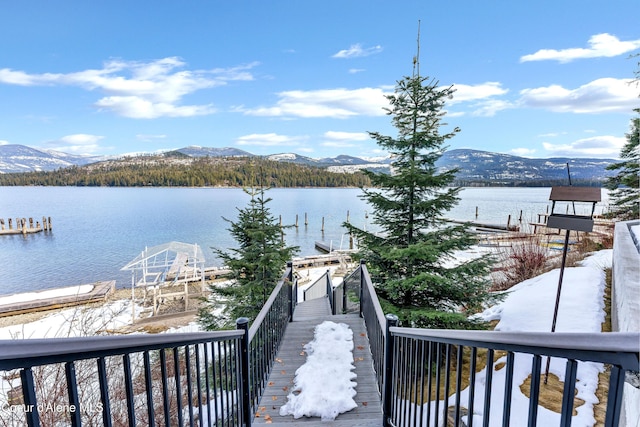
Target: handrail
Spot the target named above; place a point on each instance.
(318, 289)
(173, 377)
(270, 302)
(368, 287)
(416, 362)
(266, 332)
(15, 354)
(330, 292)
(375, 323)
(621, 348)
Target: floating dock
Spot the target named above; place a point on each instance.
(487, 226)
(99, 293)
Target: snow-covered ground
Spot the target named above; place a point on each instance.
(528, 307)
(75, 322)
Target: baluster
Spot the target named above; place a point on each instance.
(72, 389)
(165, 387)
(104, 392)
(148, 381)
(128, 384)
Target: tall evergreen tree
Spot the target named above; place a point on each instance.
(625, 186)
(256, 265)
(411, 259)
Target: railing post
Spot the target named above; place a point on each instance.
(330, 295)
(247, 413)
(344, 296)
(291, 290)
(362, 263)
(387, 384)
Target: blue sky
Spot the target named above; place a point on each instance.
(537, 79)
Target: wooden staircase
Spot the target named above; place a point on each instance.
(290, 357)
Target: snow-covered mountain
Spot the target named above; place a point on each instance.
(197, 151)
(475, 167)
(20, 158)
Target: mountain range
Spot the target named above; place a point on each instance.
(475, 167)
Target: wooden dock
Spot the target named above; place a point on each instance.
(321, 260)
(99, 293)
(290, 357)
(24, 226)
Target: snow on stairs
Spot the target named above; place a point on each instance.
(290, 357)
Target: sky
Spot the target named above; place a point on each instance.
(536, 79)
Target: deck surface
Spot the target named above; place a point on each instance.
(290, 357)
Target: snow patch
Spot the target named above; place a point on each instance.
(323, 385)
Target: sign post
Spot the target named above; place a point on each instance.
(569, 223)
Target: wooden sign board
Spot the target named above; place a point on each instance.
(576, 194)
(570, 222)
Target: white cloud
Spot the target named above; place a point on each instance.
(356, 50)
(523, 152)
(551, 134)
(336, 139)
(140, 89)
(604, 95)
(465, 93)
(136, 107)
(269, 140)
(480, 98)
(490, 107)
(332, 103)
(600, 45)
(149, 138)
(79, 143)
(346, 136)
(605, 146)
(356, 70)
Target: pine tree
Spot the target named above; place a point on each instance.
(256, 265)
(411, 259)
(625, 186)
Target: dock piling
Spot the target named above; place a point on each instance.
(23, 225)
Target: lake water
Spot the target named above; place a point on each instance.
(97, 230)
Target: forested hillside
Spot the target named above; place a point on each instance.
(175, 170)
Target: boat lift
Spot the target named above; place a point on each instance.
(164, 267)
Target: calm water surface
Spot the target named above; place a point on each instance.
(97, 230)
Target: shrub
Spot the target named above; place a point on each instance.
(522, 261)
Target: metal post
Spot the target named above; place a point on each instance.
(387, 382)
(362, 264)
(291, 290)
(29, 397)
(344, 297)
(247, 413)
(555, 310)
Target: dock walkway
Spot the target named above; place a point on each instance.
(290, 357)
(99, 293)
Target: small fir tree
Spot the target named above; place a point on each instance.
(256, 265)
(625, 186)
(411, 259)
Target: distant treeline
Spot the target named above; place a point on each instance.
(529, 183)
(170, 171)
